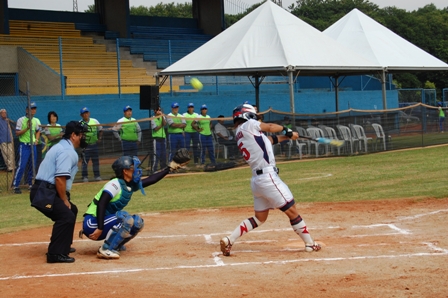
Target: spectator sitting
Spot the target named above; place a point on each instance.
(225, 138)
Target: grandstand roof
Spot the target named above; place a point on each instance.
(379, 44)
(271, 41)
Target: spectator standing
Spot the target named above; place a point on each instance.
(29, 135)
(159, 139)
(93, 138)
(128, 132)
(225, 138)
(176, 126)
(205, 134)
(191, 132)
(39, 147)
(441, 117)
(53, 131)
(54, 180)
(6, 144)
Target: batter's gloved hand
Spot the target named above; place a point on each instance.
(180, 159)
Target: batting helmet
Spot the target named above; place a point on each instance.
(124, 162)
(244, 111)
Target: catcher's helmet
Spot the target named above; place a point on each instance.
(124, 162)
(244, 111)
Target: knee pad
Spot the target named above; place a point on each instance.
(138, 224)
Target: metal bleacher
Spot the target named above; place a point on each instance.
(163, 45)
(89, 68)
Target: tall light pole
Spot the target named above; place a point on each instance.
(75, 5)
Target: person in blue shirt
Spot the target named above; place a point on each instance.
(54, 180)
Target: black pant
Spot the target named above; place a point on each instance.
(64, 224)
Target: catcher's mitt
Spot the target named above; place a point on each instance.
(180, 159)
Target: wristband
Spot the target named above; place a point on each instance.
(274, 139)
(287, 132)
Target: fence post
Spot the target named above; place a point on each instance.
(61, 70)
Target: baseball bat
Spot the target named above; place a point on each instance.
(336, 143)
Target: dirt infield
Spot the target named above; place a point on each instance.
(371, 249)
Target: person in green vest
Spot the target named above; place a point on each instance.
(441, 117)
(176, 125)
(28, 137)
(106, 219)
(128, 131)
(191, 132)
(205, 134)
(159, 139)
(93, 138)
(53, 131)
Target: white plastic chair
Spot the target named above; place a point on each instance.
(219, 146)
(315, 133)
(346, 135)
(380, 136)
(302, 132)
(362, 138)
(325, 130)
(333, 136)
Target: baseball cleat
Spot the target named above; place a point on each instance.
(107, 254)
(226, 246)
(312, 247)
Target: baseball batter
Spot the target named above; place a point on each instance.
(269, 191)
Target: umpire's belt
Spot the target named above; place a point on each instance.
(47, 184)
(267, 170)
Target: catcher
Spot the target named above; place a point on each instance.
(105, 217)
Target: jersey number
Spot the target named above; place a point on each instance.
(246, 154)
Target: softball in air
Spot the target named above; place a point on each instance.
(196, 84)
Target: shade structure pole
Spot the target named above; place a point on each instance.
(291, 90)
(291, 95)
(336, 91)
(257, 91)
(383, 87)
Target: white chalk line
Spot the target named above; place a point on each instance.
(220, 263)
(207, 237)
(322, 175)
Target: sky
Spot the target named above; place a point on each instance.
(67, 5)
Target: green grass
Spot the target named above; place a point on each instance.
(419, 173)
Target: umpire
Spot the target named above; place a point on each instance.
(50, 192)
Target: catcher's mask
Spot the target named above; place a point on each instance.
(244, 111)
(126, 162)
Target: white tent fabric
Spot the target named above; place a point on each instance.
(272, 41)
(382, 46)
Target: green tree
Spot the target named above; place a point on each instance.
(173, 10)
(90, 8)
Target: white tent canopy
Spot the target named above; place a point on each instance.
(377, 43)
(271, 41)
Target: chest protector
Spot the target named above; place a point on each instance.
(118, 202)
